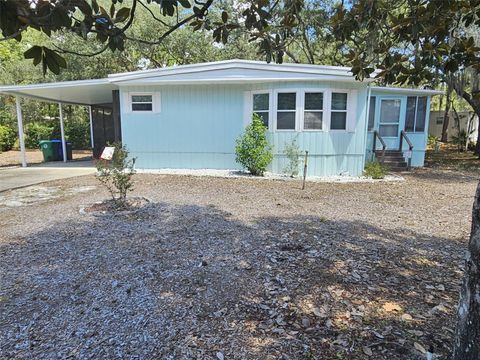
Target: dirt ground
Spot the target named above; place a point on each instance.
(220, 268)
(12, 158)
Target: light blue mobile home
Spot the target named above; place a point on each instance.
(189, 117)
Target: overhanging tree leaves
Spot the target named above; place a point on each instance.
(415, 42)
(93, 22)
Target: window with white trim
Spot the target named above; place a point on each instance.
(416, 114)
(313, 111)
(141, 102)
(338, 112)
(261, 106)
(371, 113)
(286, 110)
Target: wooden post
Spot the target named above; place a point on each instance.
(21, 140)
(62, 131)
(305, 170)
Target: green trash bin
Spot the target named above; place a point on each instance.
(49, 150)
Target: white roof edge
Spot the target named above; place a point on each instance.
(238, 64)
(229, 62)
(60, 84)
(407, 90)
(140, 82)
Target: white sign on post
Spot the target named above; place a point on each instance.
(107, 153)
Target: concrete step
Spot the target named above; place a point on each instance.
(395, 164)
(398, 169)
(390, 158)
(389, 152)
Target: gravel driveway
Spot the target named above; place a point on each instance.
(235, 269)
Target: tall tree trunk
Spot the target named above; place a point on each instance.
(446, 115)
(477, 147)
(475, 104)
(467, 336)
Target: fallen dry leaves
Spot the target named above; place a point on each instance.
(238, 269)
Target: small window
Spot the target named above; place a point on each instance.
(439, 120)
(421, 114)
(338, 120)
(313, 111)
(416, 114)
(142, 102)
(410, 115)
(286, 106)
(261, 106)
(371, 113)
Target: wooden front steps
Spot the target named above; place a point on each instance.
(392, 159)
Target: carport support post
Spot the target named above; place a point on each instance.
(91, 126)
(21, 140)
(62, 131)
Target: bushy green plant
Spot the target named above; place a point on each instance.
(292, 152)
(461, 139)
(375, 170)
(117, 174)
(432, 140)
(78, 133)
(7, 119)
(253, 151)
(34, 132)
(8, 136)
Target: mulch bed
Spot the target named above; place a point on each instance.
(115, 207)
(238, 269)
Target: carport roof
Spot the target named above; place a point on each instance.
(81, 92)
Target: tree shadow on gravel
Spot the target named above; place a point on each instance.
(184, 281)
(441, 175)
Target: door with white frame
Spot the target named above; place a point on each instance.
(390, 112)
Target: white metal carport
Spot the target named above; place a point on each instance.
(79, 92)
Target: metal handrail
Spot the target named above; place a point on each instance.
(403, 135)
(384, 145)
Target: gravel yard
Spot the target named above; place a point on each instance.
(218, 268)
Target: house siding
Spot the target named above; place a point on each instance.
(198, 125)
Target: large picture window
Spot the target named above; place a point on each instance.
(261, 106)
(338, 120)
(416, 114)
(313, 111)
(302, 109)
(286, 110)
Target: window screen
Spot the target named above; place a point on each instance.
(142, 102)
(286, 106)
(313, 111)
(261, 106)
(338, 119)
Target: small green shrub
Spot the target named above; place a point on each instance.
(292, 152)
(34, 132)
(253, 151)
(432, 140)
(117, 174)
(375, 170)
(8, 136)
(461, 139)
